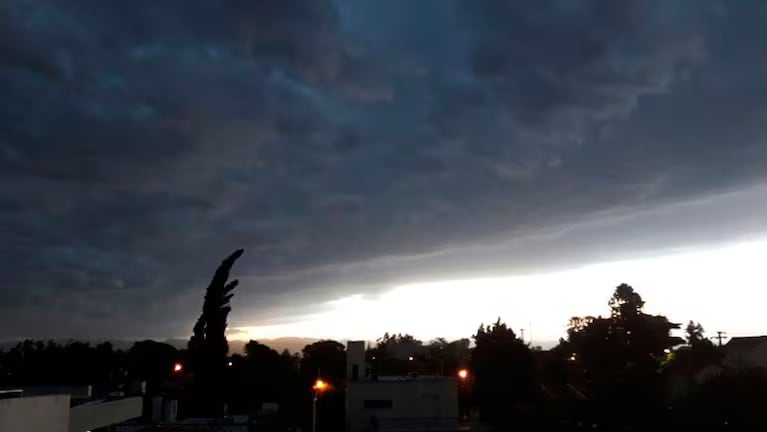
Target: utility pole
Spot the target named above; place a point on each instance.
(530, 333)
(719, 336)
(314, 410)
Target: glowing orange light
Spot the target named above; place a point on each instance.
(463, 374)
(320, 385)
(177, 367)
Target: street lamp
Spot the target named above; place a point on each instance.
(464, 387)
(463, 374)
(319, 386)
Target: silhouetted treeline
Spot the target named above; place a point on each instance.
(623, 371)
(402, 354)
(41, 363)
(47, 363)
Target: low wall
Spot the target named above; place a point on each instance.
(95, 415)
(38, 414)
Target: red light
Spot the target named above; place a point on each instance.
(178, 367)
(463, 374)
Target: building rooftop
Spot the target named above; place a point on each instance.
(744, 344)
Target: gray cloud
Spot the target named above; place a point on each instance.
(140, 143)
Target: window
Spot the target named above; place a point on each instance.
(377, 404)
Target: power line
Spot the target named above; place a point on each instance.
(719, 336)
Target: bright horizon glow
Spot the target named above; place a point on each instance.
(722, 288)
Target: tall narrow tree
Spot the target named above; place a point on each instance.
(208, 346)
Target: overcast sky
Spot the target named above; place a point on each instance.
(498, 152)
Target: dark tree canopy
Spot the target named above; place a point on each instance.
(50, 363)
(445, 358)
(397, 354)
(151, 361)
(620, 356)
(625, 302)
(695, 336)
(397, 338)
(261, 375)
(401, 354)
(698, 353)
(326, 358)
(502, 365)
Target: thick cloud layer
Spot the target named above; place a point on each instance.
(341, 142)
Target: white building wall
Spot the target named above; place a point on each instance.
(355, 360)
(416, 404)
(35, 414)
(95, 415)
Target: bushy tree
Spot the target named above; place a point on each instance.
(261, 375)
(621, 357)
(503, 368)
(445, 358)
(326, 359)
(397, 354)
(688, 360)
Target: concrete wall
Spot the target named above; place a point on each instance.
(416, 404)
(94, 415)
(355, 359)
(38, 414)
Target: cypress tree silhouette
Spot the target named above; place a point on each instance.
(208, 346)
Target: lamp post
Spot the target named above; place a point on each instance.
(318, 387)
(463, 395)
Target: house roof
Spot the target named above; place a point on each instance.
(744, 344)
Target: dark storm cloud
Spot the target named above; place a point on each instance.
(140, 142)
